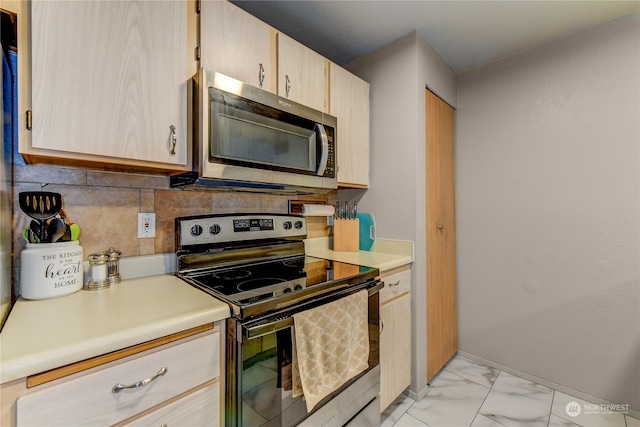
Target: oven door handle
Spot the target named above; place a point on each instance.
(287, 322)
(258, 331)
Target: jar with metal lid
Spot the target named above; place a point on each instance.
(98, 276)
(113, 265)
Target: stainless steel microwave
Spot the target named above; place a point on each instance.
(246, 138)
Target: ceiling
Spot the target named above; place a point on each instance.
(467, 34)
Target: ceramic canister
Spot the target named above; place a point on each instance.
(50, 270)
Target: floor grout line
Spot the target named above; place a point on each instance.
(485, 398)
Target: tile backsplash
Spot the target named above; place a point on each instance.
(106, 205)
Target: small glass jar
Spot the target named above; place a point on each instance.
(113, 265)
(98, 275)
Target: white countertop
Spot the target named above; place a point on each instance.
(386, 254)
(46, 334)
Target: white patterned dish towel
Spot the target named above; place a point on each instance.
(331, 346)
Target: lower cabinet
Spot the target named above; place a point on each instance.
(197, 408)
(173, 384)
(395, 338)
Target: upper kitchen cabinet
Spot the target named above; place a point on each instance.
(237, 44)
(109, 84)
(302, 73)
(349, 102)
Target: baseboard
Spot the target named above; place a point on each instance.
(422, 393)
(555, 386)
(416, 396)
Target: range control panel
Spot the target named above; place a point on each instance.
(214, 229)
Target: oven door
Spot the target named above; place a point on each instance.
(257, 393)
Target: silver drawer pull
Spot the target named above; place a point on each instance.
(395, 284)
(118, 387)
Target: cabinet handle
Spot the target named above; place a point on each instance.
(119, 387)
(261, 75)
(287, 85)
(174, 139)
(440, 227)
(381, 327)
(394, 284)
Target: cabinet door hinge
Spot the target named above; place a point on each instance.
(28, 121)
(198, 7)
(197, 53)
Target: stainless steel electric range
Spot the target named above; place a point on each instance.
(256, 263)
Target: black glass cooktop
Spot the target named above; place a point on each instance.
(257, 281)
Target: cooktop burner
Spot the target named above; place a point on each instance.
(258, 283)
(247, 277)
(231, 274)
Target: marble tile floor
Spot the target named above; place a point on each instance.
(468, 394)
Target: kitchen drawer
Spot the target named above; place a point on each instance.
(395, 284)
(200, 408)
(87, 398)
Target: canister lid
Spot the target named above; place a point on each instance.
(98, 258)
(113, 254)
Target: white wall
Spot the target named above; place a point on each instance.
(398, 75)
(548, 190)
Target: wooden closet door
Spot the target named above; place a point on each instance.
(442, 317)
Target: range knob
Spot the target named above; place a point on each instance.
(286, 290)
(214, 229)
(287, 225)
(297, 287)
(196, 230)
(298, 225)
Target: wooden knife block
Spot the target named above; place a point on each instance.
(346, 235)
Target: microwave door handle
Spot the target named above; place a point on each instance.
(324, 155)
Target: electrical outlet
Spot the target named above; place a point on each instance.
(146, 225)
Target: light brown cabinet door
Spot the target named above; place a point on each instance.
(237, 44)
(442, 316)
(395, 349)
(109, 79)
(349, 102)
(301, 73)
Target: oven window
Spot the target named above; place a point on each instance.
(267, 393)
